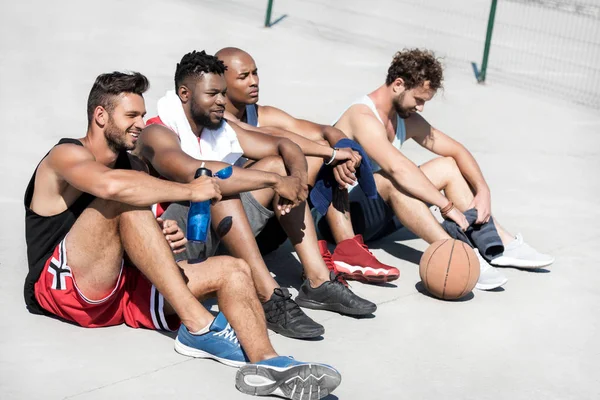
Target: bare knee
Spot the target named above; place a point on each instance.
(237, 270)
(448, 164)
(110, 208)
(273, 164)
(385, 187)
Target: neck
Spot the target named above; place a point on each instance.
(382, 97)
(95, 142)
(196, 129)
(236, 109)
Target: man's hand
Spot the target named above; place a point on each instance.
(483, 204)
(345, 174)
(291, 192)
(457, 216)
(205, 188)
(173, 234)
(345, 154)
(347, 161)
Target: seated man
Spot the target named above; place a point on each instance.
(380, 123)
(97, 256)
(190, 128)
(316, 142)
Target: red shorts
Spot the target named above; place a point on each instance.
(133, 301)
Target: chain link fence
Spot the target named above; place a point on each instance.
(549, 46)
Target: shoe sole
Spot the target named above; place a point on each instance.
(356, 272)
(490, 286)
(339, 308)
(299, 382)
(196, 353)
(295, 335)
(517, 263)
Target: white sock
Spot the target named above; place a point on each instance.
(203, 330)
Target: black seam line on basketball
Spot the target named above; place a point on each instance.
(468, 276)
(448, 270)
(431, 256)
(156, 309)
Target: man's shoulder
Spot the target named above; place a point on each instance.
(69, 151)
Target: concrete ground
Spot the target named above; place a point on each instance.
(536, 339)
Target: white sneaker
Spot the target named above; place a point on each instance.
(521, 255)
(489, 277)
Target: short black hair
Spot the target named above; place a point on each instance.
(415, 66)
(113, 84)
(195, 64)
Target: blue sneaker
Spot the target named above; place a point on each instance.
(286, 377)
(219, 343)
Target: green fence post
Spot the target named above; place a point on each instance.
(268, 16)
(488, 42)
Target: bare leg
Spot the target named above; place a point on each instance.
(241, 243)
(445, 175)
(340, 224)
(230, 279)
(96, 263)
(412, 213)
(298, 225)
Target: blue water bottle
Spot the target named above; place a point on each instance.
(199, 214)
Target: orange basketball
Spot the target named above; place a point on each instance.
(449, 269)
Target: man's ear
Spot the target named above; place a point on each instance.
(101, 116)
(398, 85)
(184, 93)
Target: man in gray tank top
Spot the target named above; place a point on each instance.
(380, 122)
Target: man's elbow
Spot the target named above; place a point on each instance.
(287, 144)
(109, 189)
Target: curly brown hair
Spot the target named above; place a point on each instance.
(415, 66)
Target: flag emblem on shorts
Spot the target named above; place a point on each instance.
(59, 269)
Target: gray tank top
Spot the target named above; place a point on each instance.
(400, 127)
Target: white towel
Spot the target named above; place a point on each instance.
(219, 144)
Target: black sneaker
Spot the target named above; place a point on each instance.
(334, 296)
(286, 318)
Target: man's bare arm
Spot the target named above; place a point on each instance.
(77, 166)
(160, 147)
(308, 147)
(441, 144)
(257, 145)
(371, 135)
(272, 116)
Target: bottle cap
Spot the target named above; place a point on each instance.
(202, 172)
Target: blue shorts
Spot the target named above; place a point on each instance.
(373, 219)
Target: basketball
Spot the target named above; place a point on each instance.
(449, 269)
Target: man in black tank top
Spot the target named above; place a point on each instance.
(88, 209)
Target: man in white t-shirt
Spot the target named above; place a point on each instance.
(190, 131)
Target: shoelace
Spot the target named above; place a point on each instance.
(339, 278)
(366, 248)
(286, 306)
(228, 333)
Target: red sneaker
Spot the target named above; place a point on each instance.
(353, 260)
(327, 256)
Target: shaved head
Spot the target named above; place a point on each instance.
(241, 76)
(229, 53)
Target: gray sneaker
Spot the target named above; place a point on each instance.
(489, 277)
(521, 255)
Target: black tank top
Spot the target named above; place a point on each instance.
(43, 234)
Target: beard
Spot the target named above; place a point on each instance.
(401, 111)
(202, 118)
(116, 137)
